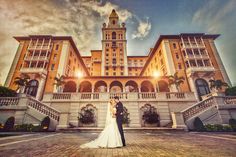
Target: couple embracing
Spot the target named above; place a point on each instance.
(112, 135)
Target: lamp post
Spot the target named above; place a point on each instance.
(156, 76)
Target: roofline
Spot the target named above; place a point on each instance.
(18, 38)
(136, 56)
(161, 37)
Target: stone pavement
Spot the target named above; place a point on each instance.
(163, 144)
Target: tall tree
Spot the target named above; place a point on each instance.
(176, 80)
(21, 82)
(217, 84)
(59, 82)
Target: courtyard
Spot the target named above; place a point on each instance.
(139, 143)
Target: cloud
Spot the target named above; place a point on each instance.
(77, 18)
(144, 27)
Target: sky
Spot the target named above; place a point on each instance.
(145, 20)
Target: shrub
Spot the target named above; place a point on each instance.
(9, 124)
(27, 128)
(198, 125)
(87, 116)
(230, 91)
(232, 123)
(6, 92)
(227, 128)
(45, 124)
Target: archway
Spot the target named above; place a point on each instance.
(116, 87)
(131, 86)
(70, 86)
(163, 86)
(32, 88)
(147, 86)
(85, 86)
(202, 87)
(100, 86)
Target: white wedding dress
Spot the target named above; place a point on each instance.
(109, 137)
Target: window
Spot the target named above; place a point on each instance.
(177, 56)
(179, 66)
(32, 88)
(113, 35)
(114, 73)
(52, 66)
(70, 53)
(69, 62)
(57, 46)
(160, 53)
(121, 73)
(174, 45)
(113, 22)
(55, 57)
(107, 73)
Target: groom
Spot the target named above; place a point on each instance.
(119, 118)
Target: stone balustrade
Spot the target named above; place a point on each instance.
(197, 108)
(42, 108)
(205, 104)
(9, 101)
(152, 96)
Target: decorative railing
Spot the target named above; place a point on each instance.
(42, 108)
(197, 108)
(147, 95)
(9, 101)
(120, 95)
(162, 96)
(61, 96)
(230, 100)
(175, 95)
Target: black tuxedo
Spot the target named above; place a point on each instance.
(119, 119)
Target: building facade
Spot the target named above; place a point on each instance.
(110, 71)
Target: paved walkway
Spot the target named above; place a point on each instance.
(164, 144)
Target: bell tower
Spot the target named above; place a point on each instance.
(114, 49)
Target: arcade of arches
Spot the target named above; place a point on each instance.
(116, 86)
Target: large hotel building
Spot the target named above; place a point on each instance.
(110, 70)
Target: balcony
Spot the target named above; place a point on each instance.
(38, 58)
(132, 96)
(33, 70)
(200, 69)
(192, 45)
(40, 47)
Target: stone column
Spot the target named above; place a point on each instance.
(178, 120)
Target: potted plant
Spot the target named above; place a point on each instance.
(176, 80)
(217, 87)
(87, 117)
(150, 117)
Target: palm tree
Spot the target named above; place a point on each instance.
(21, 82)
(59, 82)
(217, 84)
(176, 80)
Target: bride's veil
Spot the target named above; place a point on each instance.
(109, 116)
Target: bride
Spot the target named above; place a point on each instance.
(110, 136)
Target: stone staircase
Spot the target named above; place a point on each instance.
(27, 109)
(211, 110)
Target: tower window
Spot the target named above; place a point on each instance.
(113, 22)
(113, 35)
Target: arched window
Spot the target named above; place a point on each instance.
(32, 88)
(70, 86)
(202, 87)
(113, 35)
(163, 86)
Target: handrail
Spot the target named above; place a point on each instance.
(42, 108)
(9, 101)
